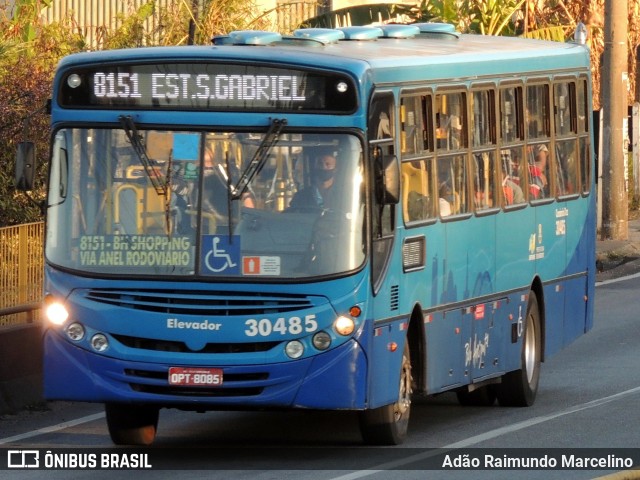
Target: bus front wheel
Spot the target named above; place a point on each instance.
(388, 425)
(519, 388)
(131, 424)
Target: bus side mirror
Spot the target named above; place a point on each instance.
(25, 165)
(388, 180)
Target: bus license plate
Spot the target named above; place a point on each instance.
(198, 377)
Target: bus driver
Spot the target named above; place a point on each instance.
(321, 193)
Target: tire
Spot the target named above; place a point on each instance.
(481, 397)
(388, 425)
(519, 388)
(132, 425)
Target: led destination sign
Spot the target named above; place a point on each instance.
(207, 86)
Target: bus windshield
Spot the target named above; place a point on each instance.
(220, 204)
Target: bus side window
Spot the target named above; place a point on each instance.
(539, 171)
(583, 114)
(513, 163)
(513, 176)
(451, 136)
(484, 142)
(452, 181)
(484, 185)
(416, 147)
(380, 133)
(451, 121)
(417, 199)
(566, 167)
(566, 124)
(539, 152)
(538, 117)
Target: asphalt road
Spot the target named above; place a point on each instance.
(588, 398)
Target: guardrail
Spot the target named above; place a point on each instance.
(21, 273)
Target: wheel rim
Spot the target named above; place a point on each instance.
(530, 353)
(404, 398)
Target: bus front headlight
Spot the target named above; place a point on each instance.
(99, 342)
(56, 313)
(75, 332)
(344, 325)
(321, 340)
(294, 349)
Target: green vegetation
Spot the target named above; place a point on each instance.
(31, 49)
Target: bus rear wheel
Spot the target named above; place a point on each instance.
(519, 388)
(388, 425)
(131, 424)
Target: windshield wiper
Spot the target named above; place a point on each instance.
(259, 158)
(255, 165)
(129, 127)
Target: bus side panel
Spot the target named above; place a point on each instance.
(385, 361)
(515, 269)
(514, 231)
(581, 262)
(484, 346)
(485, 351)
(445, 351)
(459, 339)
(550, 253)
(575, 308)
(443, 345)
(389, 308)
(516, 310)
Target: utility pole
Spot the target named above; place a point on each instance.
(192, 22)
(614, 92)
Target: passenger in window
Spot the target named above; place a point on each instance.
(445, 195)
(538, 184)
(510, 166)
(513, 194)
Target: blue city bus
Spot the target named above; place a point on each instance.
(338, 219)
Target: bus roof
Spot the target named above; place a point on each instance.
(386, 60)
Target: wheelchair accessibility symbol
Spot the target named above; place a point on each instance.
(220, 254)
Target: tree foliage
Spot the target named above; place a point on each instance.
(31, 49)
(29, 52)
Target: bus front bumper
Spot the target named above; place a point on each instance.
(335, 379)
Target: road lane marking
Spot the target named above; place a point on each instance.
(468, 442)
(52, 428)
(616, 280)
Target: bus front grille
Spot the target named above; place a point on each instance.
(200, 302)
(181, 347)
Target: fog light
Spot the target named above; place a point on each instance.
(56, 313)
(344, 325)
(322, 340)
(75, 332)
(294, 349)
(99, 342)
